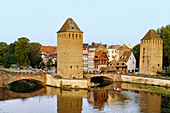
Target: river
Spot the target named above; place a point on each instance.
(132, 99)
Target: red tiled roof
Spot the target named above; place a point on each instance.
(48, 49)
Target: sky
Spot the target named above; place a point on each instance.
(107, 21)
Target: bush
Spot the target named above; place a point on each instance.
(158, 72)
(166, 74)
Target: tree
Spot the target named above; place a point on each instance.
(164, 33)
(34, 54)
(136, 52)
(22, 51)
(9, 56)
(3, 49)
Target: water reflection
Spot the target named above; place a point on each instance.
(104, 99)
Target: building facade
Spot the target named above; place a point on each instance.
(123, 49)
(129, 59)
(100, 60)
(85, 60)
(47, 53)
(151, 53)
(113, 52)
(70, 50)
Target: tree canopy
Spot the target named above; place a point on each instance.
(164, 33)
(136, 52)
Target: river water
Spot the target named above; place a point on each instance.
(132, 99)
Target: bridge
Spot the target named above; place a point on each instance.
(99, 77)
(6, 94)
(107, 75)
(6, 79)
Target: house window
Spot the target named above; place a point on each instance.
(122, 63)
(71, 67)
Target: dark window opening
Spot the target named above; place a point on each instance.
(158, 65)
(71, 67)
(77, 66)
(117, 63)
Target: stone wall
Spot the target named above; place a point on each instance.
(74, 83)
(6, 79)
(142, 80)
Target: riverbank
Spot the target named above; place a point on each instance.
(142, 80)
(67, 83)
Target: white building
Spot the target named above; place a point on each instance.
(91, 55)
(113, 52)
(130, 60)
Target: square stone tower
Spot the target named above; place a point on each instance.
(151, 53)
(70, 50)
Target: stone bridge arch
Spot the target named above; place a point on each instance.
(6, 79)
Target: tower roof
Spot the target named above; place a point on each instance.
(151, 34)
(69, 26)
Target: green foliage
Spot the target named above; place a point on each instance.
(50, 62)
(166, 74)
(9, 57)
(158, 72)
(34, 54)
(164, 33)
(136, 52)
(22, 51)
(3, 49)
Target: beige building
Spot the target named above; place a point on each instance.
(151, 51)
(70, 50)
(122, 50)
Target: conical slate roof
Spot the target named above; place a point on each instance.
(151, 34)
(69, 26)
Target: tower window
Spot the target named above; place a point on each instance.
(77, 66)
(80, 35)
(69, 35)
(71, 67)
(158, 65)
(73, 35)
(76, 35)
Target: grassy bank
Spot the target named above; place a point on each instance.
(156, 89)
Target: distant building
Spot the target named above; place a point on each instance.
(113, 52)
(118, 66)
(100, 60)
(129, 59)
(151, 53)
(70, 50)
(91, 54)
(48, 52)
(130, 46)
(85, 59)
(122, 49)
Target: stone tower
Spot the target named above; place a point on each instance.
(151, 53)
(70, 50)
